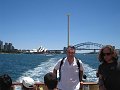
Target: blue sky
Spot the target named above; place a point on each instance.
(29, 24)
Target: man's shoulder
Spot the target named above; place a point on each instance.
(78, 60)
(61, 60)
(64, 59)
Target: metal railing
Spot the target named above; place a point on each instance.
(41, 86)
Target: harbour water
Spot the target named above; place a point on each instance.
(37, 65)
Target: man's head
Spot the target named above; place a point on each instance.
(50, 80)
(70, 51)
(5, 82)
(28, 83)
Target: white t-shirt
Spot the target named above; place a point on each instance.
(69, 75)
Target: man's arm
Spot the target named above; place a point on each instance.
(81, 75)
(81, 82)
(57, 66)
(55, 72)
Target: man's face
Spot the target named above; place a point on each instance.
(70, 52)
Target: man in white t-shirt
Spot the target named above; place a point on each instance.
(70, 79)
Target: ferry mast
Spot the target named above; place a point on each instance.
(68, 29)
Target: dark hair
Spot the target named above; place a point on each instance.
(5, 82)
(112, 51)
(73, 47)
(50, 80)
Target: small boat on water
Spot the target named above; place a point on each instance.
(41, 86)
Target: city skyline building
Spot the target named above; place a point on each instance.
(6, 46)
(1, 45)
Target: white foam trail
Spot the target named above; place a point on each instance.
(38, 73)
(90, 72)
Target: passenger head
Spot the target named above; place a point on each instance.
(50, 80)
(28, 83)
(108, 53)
(5, 82)
(70, 51)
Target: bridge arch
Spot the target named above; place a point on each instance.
(88, 46)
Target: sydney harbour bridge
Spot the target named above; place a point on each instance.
(88, 46)
(83, 46)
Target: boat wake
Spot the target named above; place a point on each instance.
(38, 73)
(90, 73)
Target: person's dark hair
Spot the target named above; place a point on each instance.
(73, 47)
(5, 82)
(50, 80)
(112, 51)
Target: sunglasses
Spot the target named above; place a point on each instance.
(71, 47)
(106, 54)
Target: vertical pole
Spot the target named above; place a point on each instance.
(68, 29)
